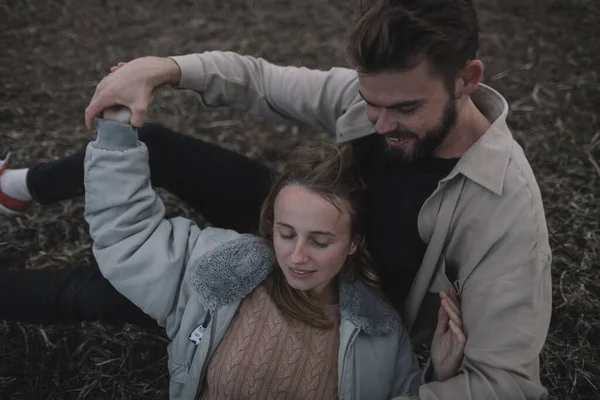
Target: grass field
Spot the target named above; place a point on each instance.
(542, 55)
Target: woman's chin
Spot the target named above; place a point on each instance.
(304, 286)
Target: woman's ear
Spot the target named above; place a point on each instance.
(354, 245)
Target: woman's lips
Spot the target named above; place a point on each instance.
(299, 273)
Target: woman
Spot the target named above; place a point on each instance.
(294, 313)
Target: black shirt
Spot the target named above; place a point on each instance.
(395, 194)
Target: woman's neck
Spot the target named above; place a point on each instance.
(327, 295)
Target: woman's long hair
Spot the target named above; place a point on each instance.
(331, 172)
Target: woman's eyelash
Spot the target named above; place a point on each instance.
(315, 243)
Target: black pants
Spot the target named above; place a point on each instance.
(225, 187)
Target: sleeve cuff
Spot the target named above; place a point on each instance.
(193, 72)
(115, 136)
(428, 373)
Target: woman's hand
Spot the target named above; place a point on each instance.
(116, 67)
(131, 84)
(120, 114)
(447, 347)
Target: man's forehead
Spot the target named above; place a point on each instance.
(392, 87)
(393, 102)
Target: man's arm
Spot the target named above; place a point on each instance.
(314, 97)
(506, 323)
(326, 100)
(500, 247)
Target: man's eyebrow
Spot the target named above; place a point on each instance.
(401, 104)
(326, 233)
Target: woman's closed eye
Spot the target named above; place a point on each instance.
(313, 242)
(289, 236)
(319, 244)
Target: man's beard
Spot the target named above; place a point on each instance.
(426, 146)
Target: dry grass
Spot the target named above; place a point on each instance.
(542, 55)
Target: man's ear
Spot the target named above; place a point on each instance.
(469, 78)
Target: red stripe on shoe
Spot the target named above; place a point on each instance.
(13, 204)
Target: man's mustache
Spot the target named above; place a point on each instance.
(402, 135)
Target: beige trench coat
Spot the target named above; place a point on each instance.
(484, 225)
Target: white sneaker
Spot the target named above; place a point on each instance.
(10, 205)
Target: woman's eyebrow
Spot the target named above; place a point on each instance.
(326, 233)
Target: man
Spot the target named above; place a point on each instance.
(453, 202)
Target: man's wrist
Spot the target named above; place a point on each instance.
(167, 72)
(174, 76)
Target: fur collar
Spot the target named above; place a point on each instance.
(235, 268)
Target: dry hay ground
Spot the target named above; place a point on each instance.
(542, 55)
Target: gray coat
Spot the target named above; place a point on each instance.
(192, 280)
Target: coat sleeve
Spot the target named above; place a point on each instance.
(506, 299)
(141, 253)
(407, 377)
(504, 339)
(317, 98)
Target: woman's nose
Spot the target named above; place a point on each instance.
(299, 255)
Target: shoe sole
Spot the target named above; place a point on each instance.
(9, 212)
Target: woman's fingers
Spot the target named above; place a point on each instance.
(458, 332)
(452, 294)
(452, 311)
(443, 319)
(453, 301)
(116, 67)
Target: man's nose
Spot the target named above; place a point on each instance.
(384, 122)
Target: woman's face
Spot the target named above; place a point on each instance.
(312, 240)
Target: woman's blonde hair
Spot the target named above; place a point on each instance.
(331, 172)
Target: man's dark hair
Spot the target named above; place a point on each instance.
(397, 34)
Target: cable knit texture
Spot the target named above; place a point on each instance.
(264, 355)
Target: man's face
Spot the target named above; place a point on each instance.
(413, 109)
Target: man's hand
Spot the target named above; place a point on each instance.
(447, 348)
(131, 84)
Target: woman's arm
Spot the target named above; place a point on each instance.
(140, 252)
(408, 376)
(447, 350)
